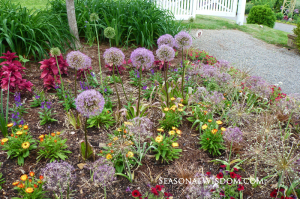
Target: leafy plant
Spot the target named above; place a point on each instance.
(46, 115)
(19, 144)
(211, 60)
(38, 98)
(195, 54)
(157, 192)
(297, 33)
(73, 120)
(105, 118)
(212, 141)
(165, 147)
(4, 116)
(261, 14)
(2, 180)
(52, 147)
(173, 117)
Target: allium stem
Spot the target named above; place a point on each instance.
(122, 84)
(228, 167)
(104, 191)
(183, 74)
(166, 82)
(116, 87)
(140, 85)
(85, 136)
(100, 73)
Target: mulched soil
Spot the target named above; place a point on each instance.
(192, 160)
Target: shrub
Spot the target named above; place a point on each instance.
(31, 33)
(248, 8)
(136, 21)
(297, 32)
(261, 15)
(279, 16)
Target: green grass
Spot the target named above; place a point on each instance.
(37, 4)
(266, 34)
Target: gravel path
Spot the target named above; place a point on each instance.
(273, 63)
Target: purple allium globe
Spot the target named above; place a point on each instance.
(114, 56)
(141, 57)
(59, 176)
(78, 60)
(233, 134)
(165, 53)
(89, 103)
(166, 40)
(183, 40)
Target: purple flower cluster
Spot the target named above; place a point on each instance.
(141, 128)
(114, 56)
(215, 98)
(94, 165)
(58, 176)
(48, 105)
(166, 40)
(18, 99)
(233, 134)
(165, 53)
(84, 86)
(78, 60)
(183, 40)
(259, 86)
(222, 65)
(296, 11)
(141, 57)
(89, 103)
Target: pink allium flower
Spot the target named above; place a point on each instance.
(183, 40)
(78, 60)
(166, 40)
(141, 57)
(165, 53)
(114, 56)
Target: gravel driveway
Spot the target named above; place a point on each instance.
(273, 63)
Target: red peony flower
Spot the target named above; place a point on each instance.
(220, 175)
(136, 193)
(240, 187)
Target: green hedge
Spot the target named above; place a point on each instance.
(297, 33)
(261, 15)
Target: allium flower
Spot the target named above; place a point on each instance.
(109, 32)
(141, 57)
(233, 134)
(104, 175)
(113, 56)
(94, 17)
(89, 103)
(202, 188)
(166, 40)
(58, 176)
(141, 127)
(183, 40)
(78, 60)
(258, 85)
(54, 52)
(165, 53)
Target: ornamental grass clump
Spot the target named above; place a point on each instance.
(166, 39)
(165, 53)
(59, 177)
(115, 57)
(89, 103)
(183, 40)
(141, 59)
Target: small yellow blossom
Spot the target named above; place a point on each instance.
(223, 129)
(10, 124)
(179, 132)
(180, 109)
(214, 131)
(25, 127)
(181, 105)
(173, 98)
(209, 120)
(4, 140)
(108, 156)
(172, 132)
(130, 154)
(24, 177)
(159, 138)
(166, 109)
(57, 133)
(128, 123)
(19, 133)
(25, 145)
(204, 127)
(175, 144)
(115, 138)
(29, 190)
(219, 122)
(160, 130)
(41, 136)
(119, 129)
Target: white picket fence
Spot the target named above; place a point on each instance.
(185, 9)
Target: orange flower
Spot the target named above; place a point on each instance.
(125, 131)
(111, 151)
(57, 133)
(207, 138)
(35, 186)
(108, 156)
(12, 135)
(41, 136)
(101, 151)
(209, 120)
(214, 131)
(20, 126)
(10, 124)
(55, 141)
(2, 143)
(41, 140)
(24, 177)
(15, 183)
(21, 186)
(31, 174)
(41, 177)
(25, 127)
(39, 182)
(16, 136)
(30, 180)
(109, 144)
(29, 190)
(52, 134)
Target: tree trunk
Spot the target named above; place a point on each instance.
(72, 21)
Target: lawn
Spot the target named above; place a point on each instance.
(37, 4)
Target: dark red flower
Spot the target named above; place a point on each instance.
(208, 173)
(167, 194)
(237, 176)
(154, 191)
(235, 169)
(136, 193)
(223, 166)
(232, 198)
(222, 193)
(220, 175)
(232, 174)
(240, 187)
(158, 187)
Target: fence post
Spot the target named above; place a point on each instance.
(241, 12)
(194, 8)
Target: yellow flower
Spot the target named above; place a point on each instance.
(57, 133)
(174, 106)
(214, 131)
(19, 132)
(181, 105)
(130, 154)
(10, 124)
(41, 136)
(172, 98)
(25, 145)
(219, 122)
(115, 138)
(205, 112)
(29, 190)
(204, 127)
(159, 138)
(223, 129)
(180, 109)
(172, 132)
(174, 128)
(175, 144)
(24, 177)
(108, 156)
(4, 140)
(160, 130)
(128, 123)
(209, 120)
(166, 109)
(119, 129)
(25, 127)
(179, 132)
